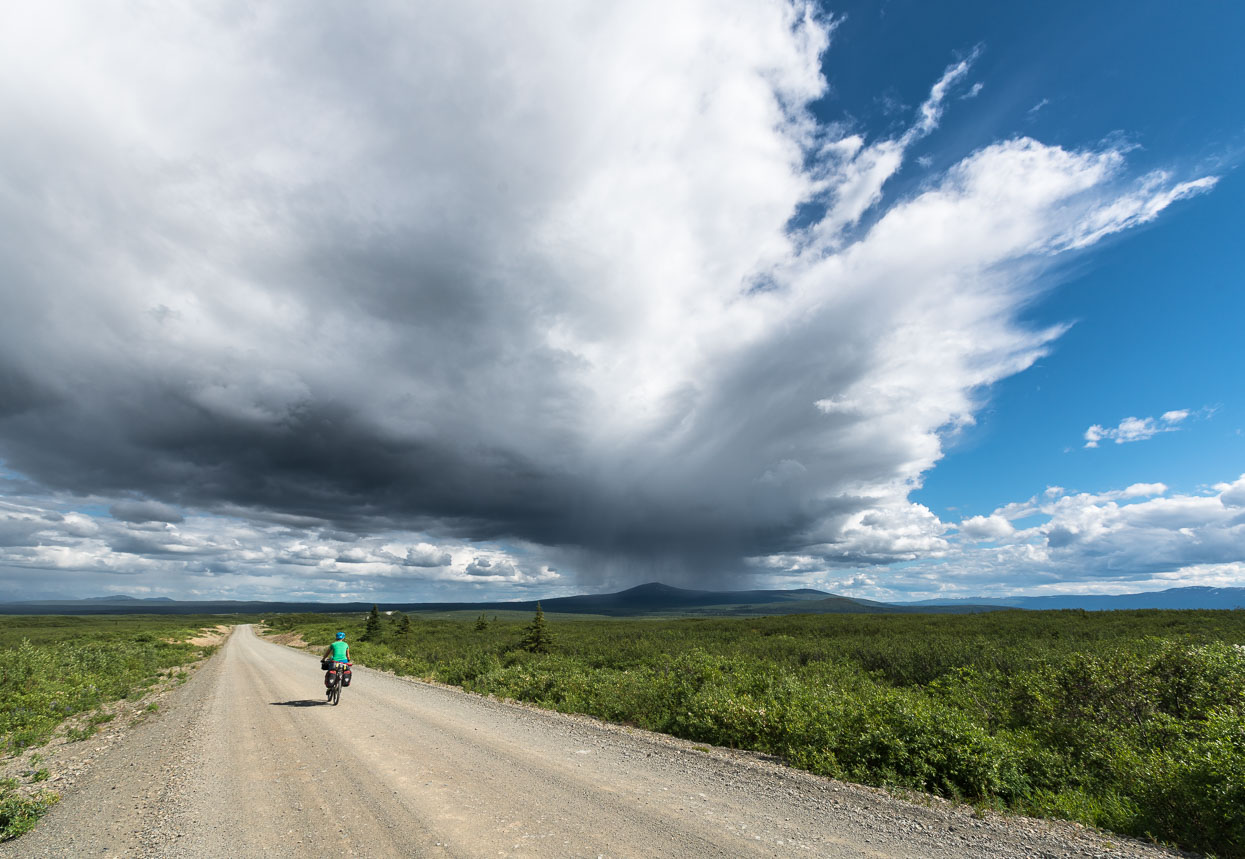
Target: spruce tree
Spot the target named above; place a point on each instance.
(481, 623)
(536, 636)
(404, 626)
(372, 630)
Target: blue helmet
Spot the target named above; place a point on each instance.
(340, 636)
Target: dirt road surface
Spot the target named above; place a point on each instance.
(249, 761)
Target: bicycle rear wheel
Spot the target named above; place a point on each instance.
(337, 690)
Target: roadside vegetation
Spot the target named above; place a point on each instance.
(1130, 721)
(56, 673)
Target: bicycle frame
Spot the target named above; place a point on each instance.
(335, 681)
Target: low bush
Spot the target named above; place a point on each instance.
(62, 667)
(20, 812)
(1132, 721)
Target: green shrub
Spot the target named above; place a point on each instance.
(1127, 720)
(69, 666)
(20, 813)
(1195, 794)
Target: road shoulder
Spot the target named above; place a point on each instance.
(111, 780)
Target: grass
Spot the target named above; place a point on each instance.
(57, 669)
(20, 812)
(1131, 721)
(54, 668)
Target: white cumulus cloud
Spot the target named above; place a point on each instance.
(1127, 540)
(992, 527)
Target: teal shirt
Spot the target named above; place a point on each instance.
(339, 650)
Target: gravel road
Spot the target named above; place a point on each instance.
(249, 760)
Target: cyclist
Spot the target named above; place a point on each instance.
(340, 651)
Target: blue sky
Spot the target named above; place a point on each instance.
(1157, 311)
(457, 303)
(1157, 328)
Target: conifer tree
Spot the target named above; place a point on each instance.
(372, 630)
(481, 623)
(404, 626)
(536, 636)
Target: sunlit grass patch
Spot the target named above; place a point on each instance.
(53, 669)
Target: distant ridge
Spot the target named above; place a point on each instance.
(127, 598)
(657, 599)
(652, 599)
(1173, 598)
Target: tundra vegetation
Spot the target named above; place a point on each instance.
(1133, 721)
(55, 668)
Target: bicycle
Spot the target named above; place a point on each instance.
(337, 671)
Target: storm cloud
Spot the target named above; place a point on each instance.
(526, 276)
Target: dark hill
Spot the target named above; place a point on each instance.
(656, 598)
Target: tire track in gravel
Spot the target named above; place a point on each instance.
(251, 761)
